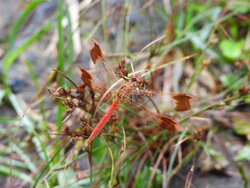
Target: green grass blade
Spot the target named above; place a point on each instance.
(6, 119)
(29, 125)
(7, 62)
(37, 88)
(61, 58)
(60, 37)
(70, 46)
(27, 160)
(5, 171)
(15, 163)
(173, 156)
(17, 25)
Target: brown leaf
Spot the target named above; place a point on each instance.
(85, 76)
(182, 101)
(169, 124)
(96, 52)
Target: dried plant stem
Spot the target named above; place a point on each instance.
(65, 76)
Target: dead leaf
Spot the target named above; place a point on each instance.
(85, 76)
(96, 52)
(87, 81)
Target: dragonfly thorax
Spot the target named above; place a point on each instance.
(126, 89)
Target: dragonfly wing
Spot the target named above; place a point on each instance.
(179, 101)
(182, 101)
(166, 122)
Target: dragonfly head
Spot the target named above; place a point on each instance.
(139, 82)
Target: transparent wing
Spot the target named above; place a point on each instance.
(167, 101)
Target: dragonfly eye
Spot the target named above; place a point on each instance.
(133, 79)
(135, 84)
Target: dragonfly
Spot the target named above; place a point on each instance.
(135, 86)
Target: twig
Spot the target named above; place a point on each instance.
(151, 43)
(65, 76)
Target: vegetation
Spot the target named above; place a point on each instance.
(49, 108)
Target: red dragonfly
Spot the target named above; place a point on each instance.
(134, 86)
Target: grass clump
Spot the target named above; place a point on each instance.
(201, 49)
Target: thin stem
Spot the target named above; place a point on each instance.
(65, 76)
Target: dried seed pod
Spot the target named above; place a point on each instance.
(122, 70)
